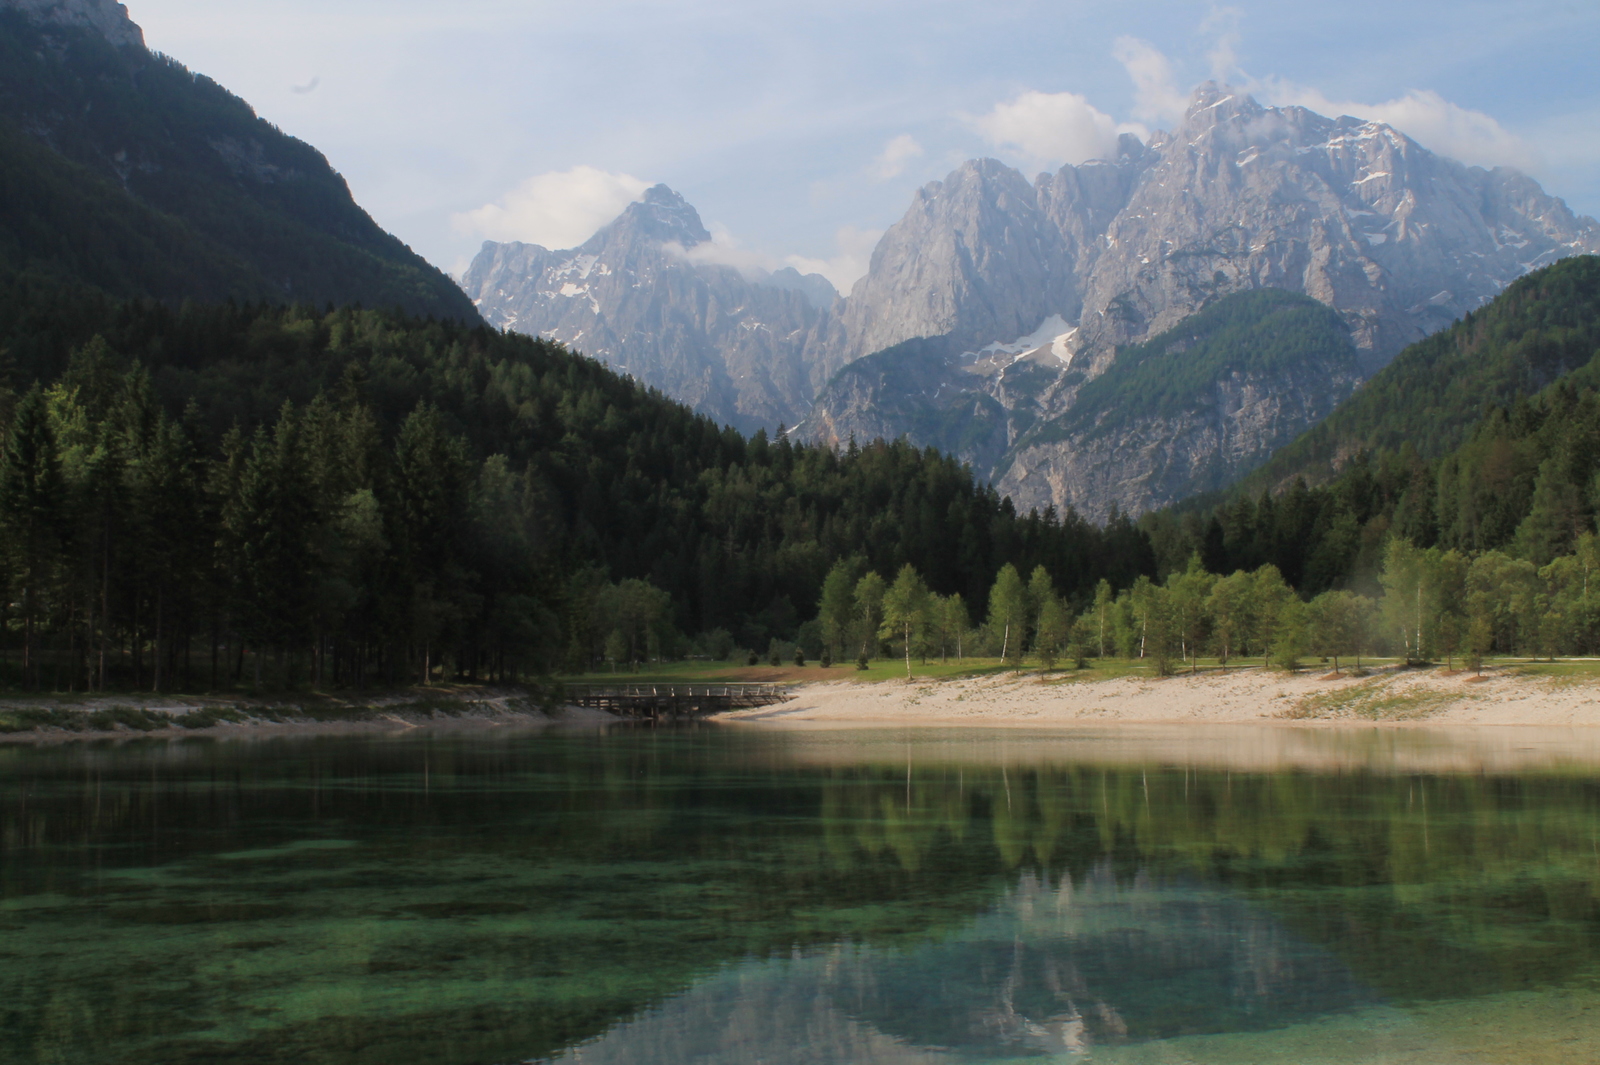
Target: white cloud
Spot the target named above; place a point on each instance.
(1053, 128)
(1156, 96)
(853, 257)
(724, 249)
(849, 265)
(1224, 53)
(560, 209)
(891, 162)
(1424, 116)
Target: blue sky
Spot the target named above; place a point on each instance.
(799, 130)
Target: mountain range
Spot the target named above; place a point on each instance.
(992, 303)
(1113, 337)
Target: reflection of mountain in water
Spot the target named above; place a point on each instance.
(1053, 969)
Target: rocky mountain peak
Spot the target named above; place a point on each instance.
(1214, 103)
(661, 216)
(1129, 148)
(106, 17)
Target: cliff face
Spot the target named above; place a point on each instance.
(738, 348)
(1354, 214)
(1238, 197)
(1095, 258)
(1146, 462)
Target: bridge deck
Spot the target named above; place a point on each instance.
(655, 702)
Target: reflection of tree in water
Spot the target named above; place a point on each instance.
(505, 899)
(1426, 886)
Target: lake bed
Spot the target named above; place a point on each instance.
(727, 895)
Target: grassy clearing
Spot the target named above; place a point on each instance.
(1575, 670)
(1374, 700)
(894, 669)
(882, 669)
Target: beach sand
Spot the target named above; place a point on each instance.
(1255, 696)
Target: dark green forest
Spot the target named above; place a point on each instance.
(1434, 393)
(1485, 437)
(191, 494)
(357, 496)
(125, 171)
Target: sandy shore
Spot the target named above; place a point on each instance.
(1428, 697)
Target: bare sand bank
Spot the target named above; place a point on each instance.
(1251, 720)
(1393, 697)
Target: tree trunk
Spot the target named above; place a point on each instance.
(161, 601)
(105, 605)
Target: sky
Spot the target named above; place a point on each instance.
(800, 128)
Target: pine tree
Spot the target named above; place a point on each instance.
(32, 517)
(275, 525)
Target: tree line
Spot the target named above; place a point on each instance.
(1433, 603)
(222, 494)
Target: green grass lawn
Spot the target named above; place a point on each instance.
(734, 673)
(889, 669)
(1575, 668)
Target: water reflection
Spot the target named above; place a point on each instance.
(734, 896)
(1051, 969)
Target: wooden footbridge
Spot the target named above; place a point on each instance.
(667, 702)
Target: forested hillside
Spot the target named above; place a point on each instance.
(377, 497)
(1544, 325)
(1462, 444)
(123, 170)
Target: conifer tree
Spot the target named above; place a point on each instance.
(32, 516)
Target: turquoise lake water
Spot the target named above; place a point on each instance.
(716, 895)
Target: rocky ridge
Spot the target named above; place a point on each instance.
(745, 349)
(106, 17)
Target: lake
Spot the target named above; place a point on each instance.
(722, 895)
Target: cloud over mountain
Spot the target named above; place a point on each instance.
(555, 210)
